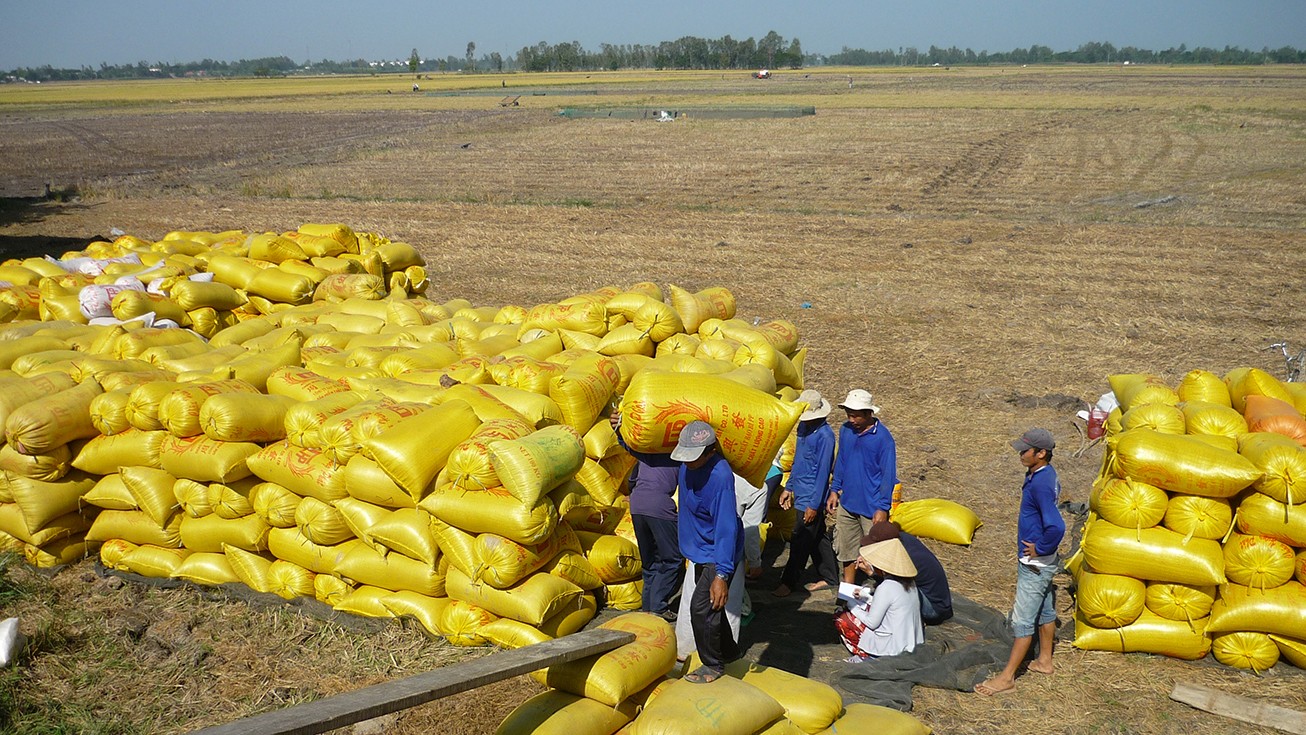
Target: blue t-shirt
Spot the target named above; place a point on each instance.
(1040, 521)
(710, 529)
(809, 480)
(865, 469)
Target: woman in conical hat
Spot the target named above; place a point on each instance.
(887, 622)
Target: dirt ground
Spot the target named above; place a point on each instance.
(980, 251)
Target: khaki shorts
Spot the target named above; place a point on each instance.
(849, 529)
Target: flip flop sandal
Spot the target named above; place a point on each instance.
(703, 675)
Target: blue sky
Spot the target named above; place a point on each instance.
(72, 33)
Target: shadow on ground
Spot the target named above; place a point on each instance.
(21, 211)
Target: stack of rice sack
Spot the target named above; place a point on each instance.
(628, 690)
(1196, 539)
(382, 453)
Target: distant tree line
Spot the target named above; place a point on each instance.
(772, 51)
(1089, 53)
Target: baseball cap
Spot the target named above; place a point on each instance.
(1034, 439)
(859, 400)
(694, 438)
(817, 406)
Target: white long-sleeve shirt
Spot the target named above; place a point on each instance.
(892, 618)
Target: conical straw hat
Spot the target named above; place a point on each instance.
(889, 557)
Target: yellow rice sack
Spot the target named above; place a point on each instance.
(305, 472)
(111, 494)
(535, 464)
(366, 601)
(556, 712)
(136, 527)
(502, 562)
(1213, 418)
(304, 421)
(251, 569)
(42, 425)
(937, 518)
(750, 425)
(179, 410)
(1294, 650)
(1256, 561)
(42, 502)
(1180, 464)
(1279, 610)
(152, 490)
(1155, 554)
(1194, 515)
(1128, 503)
(426, 610)
(615, 676)
(571, 618)
(532, 601)
(210, 569)
(457, 547)
(16, 392)
(1255, 652)
(493, 510)
(231, 500)
(245, 418)
(575, 568)
(192, 295)
(142, 408)
(290, 581)
(1180, 601)
(695, 308)
(462, 623)
(414, 450)
(733, 708)
(811, 706)
(1261, 515)
(321, 523)
(1155, 416)
(193, 497)
(614, 558)
(302, 384)
(344, 434)
(210, 533)
(408, 532)
(1149, 634)
(1109, 600)
(290, 544)
(274, 504)
(360, 516)
(1254, 382)
(583, 392)
(1139, 389)
(153, 561)
(364, 565)
(469, 466)
(65, 526)
(281, 286)
(203, 459)
(1282, 460)
(48, 466)
(366, 481)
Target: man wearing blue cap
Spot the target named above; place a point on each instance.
(712, 539)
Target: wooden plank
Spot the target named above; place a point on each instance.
(1239, 708)
(391, 696)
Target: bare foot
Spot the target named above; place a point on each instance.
(994, 686)
(817, 586)
(1035, 666)
(782, 591)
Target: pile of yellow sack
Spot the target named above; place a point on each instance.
(635, 690)
(375, 450)
(1196, 541)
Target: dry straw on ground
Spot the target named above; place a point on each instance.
(966, 245)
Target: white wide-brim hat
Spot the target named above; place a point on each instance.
(817, 406)
(859, 400)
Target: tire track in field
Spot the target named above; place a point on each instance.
(986, 159)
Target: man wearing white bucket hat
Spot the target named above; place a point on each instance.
(865, 471)
(807, 492)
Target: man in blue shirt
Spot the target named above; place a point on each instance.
(1039, 532)
(807, 493)
(865, 471)
(712, 539)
